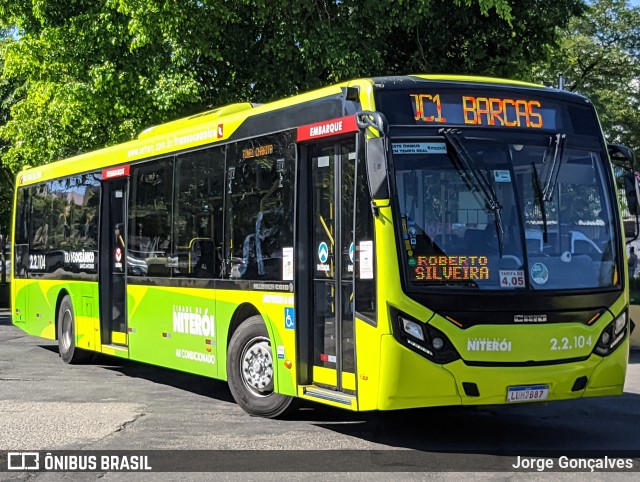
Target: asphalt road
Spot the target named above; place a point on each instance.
(111, 405)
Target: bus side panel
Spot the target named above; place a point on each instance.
(174, 328)
(187, 329)
(368, 365)
(40, 317)
(368, 337)
(19, 307)
(277, 312)
(37, 301)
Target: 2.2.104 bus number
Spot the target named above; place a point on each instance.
(565, 343)
(37, 262)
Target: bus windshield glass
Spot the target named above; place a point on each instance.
(485, 212)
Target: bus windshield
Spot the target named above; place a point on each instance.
(486, 213)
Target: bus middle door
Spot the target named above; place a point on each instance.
(113, 274)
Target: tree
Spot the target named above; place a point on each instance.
(269, 49)
(599, 55)
(84, 86)
(9, 89)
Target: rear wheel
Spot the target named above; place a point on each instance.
(250, 371)
(67, 334)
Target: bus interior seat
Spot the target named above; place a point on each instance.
(157, 267)
(205, 267)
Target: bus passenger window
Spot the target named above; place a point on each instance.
(198, 214)
(260, 220)
(149, 246)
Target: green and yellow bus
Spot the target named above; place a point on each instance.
(380, 244)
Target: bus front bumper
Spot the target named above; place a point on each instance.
(407, 380)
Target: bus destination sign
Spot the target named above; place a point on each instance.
(478, 110)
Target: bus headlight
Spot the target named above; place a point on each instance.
(412, 328)
(619, 323)
(422, 338)
(612, 335)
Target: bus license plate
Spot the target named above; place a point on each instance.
(534, 393)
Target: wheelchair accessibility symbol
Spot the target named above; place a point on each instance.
(289, 319)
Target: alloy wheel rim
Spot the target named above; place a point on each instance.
(66, 329)
(256, 366)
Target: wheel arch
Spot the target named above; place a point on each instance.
(244, 311)
(61, 294)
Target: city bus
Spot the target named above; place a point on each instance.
(380, 244)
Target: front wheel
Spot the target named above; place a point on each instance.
(67, 334)
(250, 371)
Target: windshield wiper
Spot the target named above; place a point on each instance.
(555, 149)
(463, 161)
(540, 197)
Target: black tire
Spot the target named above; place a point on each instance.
(252, 385)
(67, 334)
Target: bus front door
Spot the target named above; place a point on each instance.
(113, 275)
(332, 267)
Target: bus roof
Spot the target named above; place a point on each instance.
(464, 79)
(224, 123)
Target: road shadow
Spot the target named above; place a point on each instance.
(197, 384)
(567, 427)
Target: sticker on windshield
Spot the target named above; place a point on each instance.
(412, 236)
(539, 273)
(366, 259)
(512, 278)
(502, 175)
(419, 148)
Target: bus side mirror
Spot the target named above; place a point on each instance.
(621, 156)
(623, 160)
(631, 192)
(632, 225)
(377, 168)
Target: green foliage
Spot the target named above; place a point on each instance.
(84, 85)
(9, 92)
(258, 50)
(599, 54)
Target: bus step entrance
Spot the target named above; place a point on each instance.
(331, 396)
